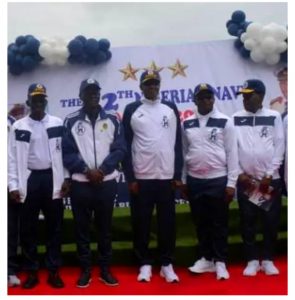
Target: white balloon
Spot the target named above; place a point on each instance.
(281, 47)
(244, 37)
(272, 59)
(257, 55)
(268, 45)
(254, 30)
(44, 50)
(250, 44)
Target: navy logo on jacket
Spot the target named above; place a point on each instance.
(165, 122)
(80, 130)
(213, 135)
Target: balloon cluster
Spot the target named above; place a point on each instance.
(27, 52)
(23, 55)
(260, 43)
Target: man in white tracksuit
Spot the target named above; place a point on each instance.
(36, 178)
(211, 164)
(261, 151)
(153, 168)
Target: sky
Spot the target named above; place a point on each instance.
(137, 23)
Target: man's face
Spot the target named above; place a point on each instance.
(150, 89)
(204, 101)
(252, 102)
(37, 104)
(90, 97)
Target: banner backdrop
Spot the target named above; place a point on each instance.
(181, 67)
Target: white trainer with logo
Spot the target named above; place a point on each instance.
(145, 273)
(252, 268)
(269, 268)
(221, 271)
(202, 266)
(168, 273)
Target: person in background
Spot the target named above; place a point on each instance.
(261, 151)
(93, 145)
(153, 167)
(211, 164)
(13, 220)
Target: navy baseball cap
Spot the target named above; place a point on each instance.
(87, 82)
(203, 87)
(251, 86)
(150, 75)
(37, 89)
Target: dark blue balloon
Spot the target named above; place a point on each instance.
(238, 44)
(238, 16)
(28, 63)
(10, 58)
(104, 44)
(14, 48)
(75, 47)
(228, 23)
(16, 69)
(244, 52)
(284, 57)
(81, 38)
(244, 25)
(240, 32)
(20, 40)
(18, 59)
(108, 55)
(22, 49)
(100, 57)
(233, 29)
(76, 59)
(32, 45)
(91, 46)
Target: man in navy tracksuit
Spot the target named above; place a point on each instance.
(36, 178)
(153, 167)
(211, 161)
(93, 145)
(261, 151)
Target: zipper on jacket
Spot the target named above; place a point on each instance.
(94, 146)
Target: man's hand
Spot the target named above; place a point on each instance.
(229, 194)
(94, 176)
(14, 196)
(178, 184)
(65, 188)
(133, 187)
(245, 181)
(265, 184)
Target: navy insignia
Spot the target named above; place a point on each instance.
(165, 122)
(80, 129)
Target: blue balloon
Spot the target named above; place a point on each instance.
(233, 29)
(22, 49)
(244, 52)
(28, 63)
(75, 47)
(81, 38)
(91, 46)
(32, 45)
(284, 57)
(20, 40)
(29, 36)
(76, 59)
(100, 57)
(16, 69)
(238, 44)
(238, 16)
(240, 32)
(244, 25)
(18, 59)
(228, 23)
(10, 58)
(14, 48)
(108, 55)
(104, 44)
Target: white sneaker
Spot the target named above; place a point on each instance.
(168, 273)
(145, 273)
(252, 268)
(269, 268)
(221, 271)
(202, 266)
(13, 280)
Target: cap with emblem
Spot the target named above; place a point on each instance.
(87, 82)
(251, 86)
(36, 89)
(150, 75)
(203, 87)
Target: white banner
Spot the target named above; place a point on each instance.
(181, 67)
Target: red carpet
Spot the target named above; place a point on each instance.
(205, 284)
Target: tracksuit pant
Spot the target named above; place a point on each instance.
(249, 213)
(39, 197)
(98, 200)
(159, 194)
(210, 216)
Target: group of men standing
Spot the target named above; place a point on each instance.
(208, 157)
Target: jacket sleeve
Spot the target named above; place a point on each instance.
(71, 157)
(12, 161)
(279, 146)
(127, 162)
(231, 150)
(117, 149)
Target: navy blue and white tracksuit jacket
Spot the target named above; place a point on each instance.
(261, 142)
(100, 147)
(210, 147)
(153, 136)
(18, 154)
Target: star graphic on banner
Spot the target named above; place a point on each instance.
(154, 67)
(178, 69)
(129, 72)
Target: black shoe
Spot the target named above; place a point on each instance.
(55, 280)
(107, 278)
(84, 279)
(31, 281)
